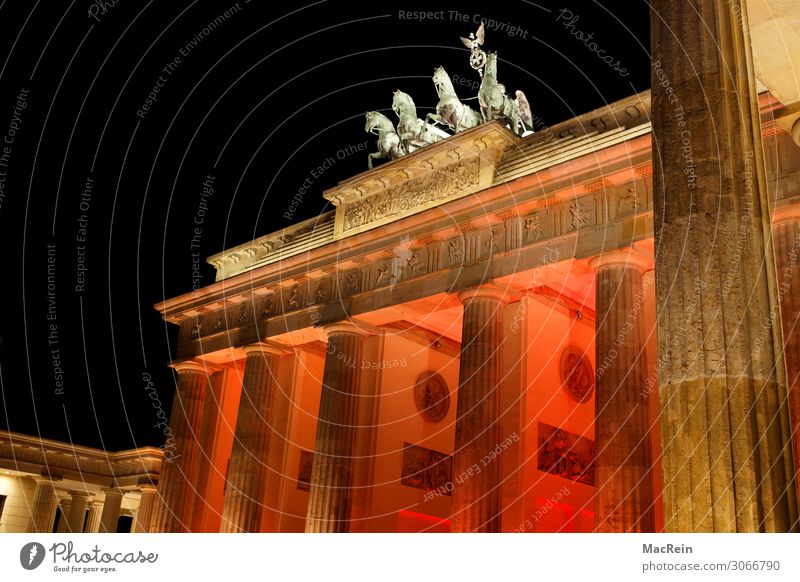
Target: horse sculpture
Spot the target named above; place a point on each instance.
(495, 104)
(414, 133)
(450, 110)
(389, 145)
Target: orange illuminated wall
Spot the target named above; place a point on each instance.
(553, 503)
(400, 422)
(412, 522)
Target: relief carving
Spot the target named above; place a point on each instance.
(581, 214)
(352, 282)
(294, 297)
(432, 396)
(383, 274)
(323, 292)
(495, 243)
(627, 201)
(455, 250)
(414, 266)
(577, 374)
(534, 227)
(565, 454)
(426, 469)
(269, 306)
(414, 193)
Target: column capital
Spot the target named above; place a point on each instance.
(628, 257)
(487, 291)
(74, 494)
(193, 367)
(259, 348)
(148, 488)
(786, 213)
(113, 491)
(796, 132)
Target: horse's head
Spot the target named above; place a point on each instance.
(402, 102)
(442, 81)
(376, 120)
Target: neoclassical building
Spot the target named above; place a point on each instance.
(578, 330)
(52, 486)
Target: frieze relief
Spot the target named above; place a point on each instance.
(413, 194)
(536, 226)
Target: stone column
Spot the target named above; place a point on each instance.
(476, 498)
(330, 495)
(247, 471)
(786, 233)
(77, 511)
(43, 508)
(147, 507)
(93, 519)
(111, 506)
(725, 432)
(623, 476)
(63, 525)
(178, 481)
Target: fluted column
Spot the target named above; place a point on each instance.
(725, 429)
(247, 472)
(330, 494)
(786, 234)
(77, 511)
(623, 475)
(93, 519)
(63, 525)
(111, 507)
(43, 508)
(476, 498)
(147, 507)
(178, 480)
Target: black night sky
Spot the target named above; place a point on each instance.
(258, 103)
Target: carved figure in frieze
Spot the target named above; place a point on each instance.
(495, 241)
(269, 306)
(414, 265)
(627, 201)
(580, 214)
(533, 226)
(219, 324)
(294, 297)
(384, 274)
(455, 250)
(351, 282)
(323, 292)
(196, 330)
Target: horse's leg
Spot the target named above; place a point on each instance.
(436, 119)
(374, 156)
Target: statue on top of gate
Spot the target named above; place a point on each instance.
(412, 133)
